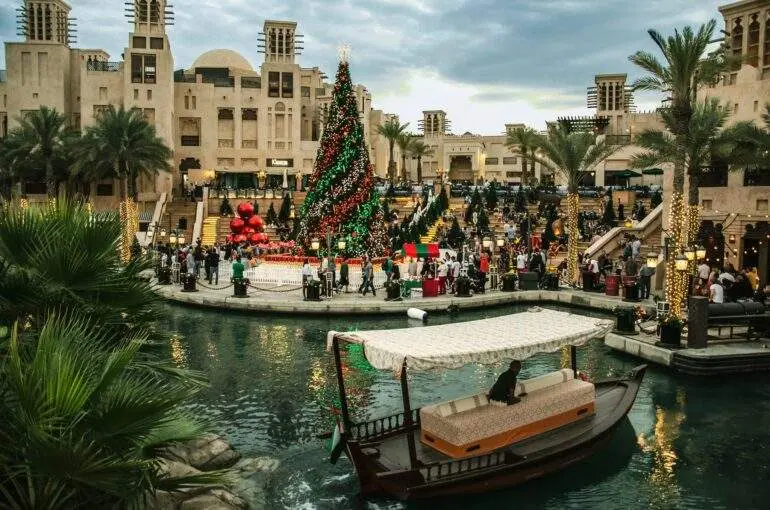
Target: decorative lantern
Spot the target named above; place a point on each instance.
(732, 238)
(487, 243)
(689, 253)
(163, 232)
(341, 244)
(315, 244)
(181, 240)
(700, 252)
(172, 239)
(628, 223)
(652, 260)
(681, 263)
(500, 242)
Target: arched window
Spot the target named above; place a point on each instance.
(752, 55)
(736, 43)
(154, 11)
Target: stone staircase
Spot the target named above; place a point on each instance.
(210, 231)
(430, 236)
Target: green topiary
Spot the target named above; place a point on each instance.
(225, 209)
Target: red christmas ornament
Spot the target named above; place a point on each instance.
(239, 238)
(254, 238)
(229, 238)
(245, 210)
(256, 223)
(247, 231)
(236, 225)
(263, 237)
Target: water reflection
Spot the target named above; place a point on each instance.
(273, 386)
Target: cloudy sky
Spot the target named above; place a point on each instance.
(486, 62)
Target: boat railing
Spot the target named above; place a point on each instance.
(452, 468)
(388, 426)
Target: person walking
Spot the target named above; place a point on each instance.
(483, 269)
(645, 281)
(368, 277)
(344, 275)
(212, 263)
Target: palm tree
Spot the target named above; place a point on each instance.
(524, 141)
(707, 140)
(84, 418)
(751, 143)
(404, 142)
(573, 155)
(123, 145)
(419, 150)
(391, 130)
(686, 67)
(43, 139)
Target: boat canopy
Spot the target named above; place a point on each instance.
(485, 342)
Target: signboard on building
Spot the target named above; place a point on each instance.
(281, 163)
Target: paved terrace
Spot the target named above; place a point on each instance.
(288, 299)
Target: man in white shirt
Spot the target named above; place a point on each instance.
(521, 262)
(717, 293)
(703, 272)
(636, 247)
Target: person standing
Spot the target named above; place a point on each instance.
(443, 271)
(412, 268)
(368, 277)
(332, 268)
(483, 269)
(198, 258)
(307, 276)
(388, 267)
(717, 292)
(645, 281)
(521, 262)
(238, 268)
(344, 280)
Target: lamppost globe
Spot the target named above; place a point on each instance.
(163, 232)
(315, 244)
(652, 260)
(181, 240)
(172, 239)
(341, 244)
(500, 242)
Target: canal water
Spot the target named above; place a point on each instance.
(689, 443)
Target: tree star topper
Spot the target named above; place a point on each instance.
(344, 52)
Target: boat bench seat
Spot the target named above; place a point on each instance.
(473, 425)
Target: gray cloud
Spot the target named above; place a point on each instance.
(516, 44)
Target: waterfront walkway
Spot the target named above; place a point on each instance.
(288, 299)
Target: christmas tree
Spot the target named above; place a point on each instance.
(341, 197)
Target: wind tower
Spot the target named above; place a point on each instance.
(280, 42)
(434, 123)
(45, 21)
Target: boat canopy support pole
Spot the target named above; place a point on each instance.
(408, 421)
(341, 385)
(573, 360)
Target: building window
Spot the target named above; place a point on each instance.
(707, 205)
(491, 161)
(735, 108)
(104, 190)
(762, 204)
(102, 93)
(305, 91)
(510, 160)
(756, 177)
(136, 94)
(191, 141)
(139, 42)
(156, 43)
(143, 68)
(149, 94)
(287, 84)
(225, 114)
(249, 114)
(194, 102)
(186, 102)
(273, 84)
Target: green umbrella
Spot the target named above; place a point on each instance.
(652, 171)
(627, 174)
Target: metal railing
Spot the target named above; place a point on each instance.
(448, 469)
(384, 427)
(107, 67)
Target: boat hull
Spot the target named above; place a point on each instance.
(516, 465)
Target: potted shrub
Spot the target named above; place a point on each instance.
(509, 281)
(625, 319)
(313, 290)
(239, 286)
(463, 286)
(392, 290)
(671, 330)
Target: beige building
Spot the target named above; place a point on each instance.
(224, 120)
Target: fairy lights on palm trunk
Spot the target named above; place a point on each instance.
(341, 196)
(129, 219)
(676, 287)
(573, 235)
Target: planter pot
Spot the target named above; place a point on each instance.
(588, 281)
(670, 335)
(625, 322)
(509, 284)
(189, 284)
(393, 292)
(164, 276)
(463, 287)
(239, 287)
(313, 293)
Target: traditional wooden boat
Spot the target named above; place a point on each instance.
(471, 444)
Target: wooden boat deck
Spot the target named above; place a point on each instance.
(394, 451)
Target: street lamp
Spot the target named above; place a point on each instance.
(700, 252)
(689, 253)
(681, 263)
(315, 244)
(652, 260)
(487, 242)
(341, 244)
(500, 242)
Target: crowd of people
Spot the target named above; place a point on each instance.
(727, 284)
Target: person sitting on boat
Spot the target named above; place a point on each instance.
(503, 389)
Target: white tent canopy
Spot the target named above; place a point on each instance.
(486, 341)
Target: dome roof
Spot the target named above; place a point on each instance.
(222, 58)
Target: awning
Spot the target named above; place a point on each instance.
(486, 341)
(652, 171)
(626, 174)
(421, 250)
